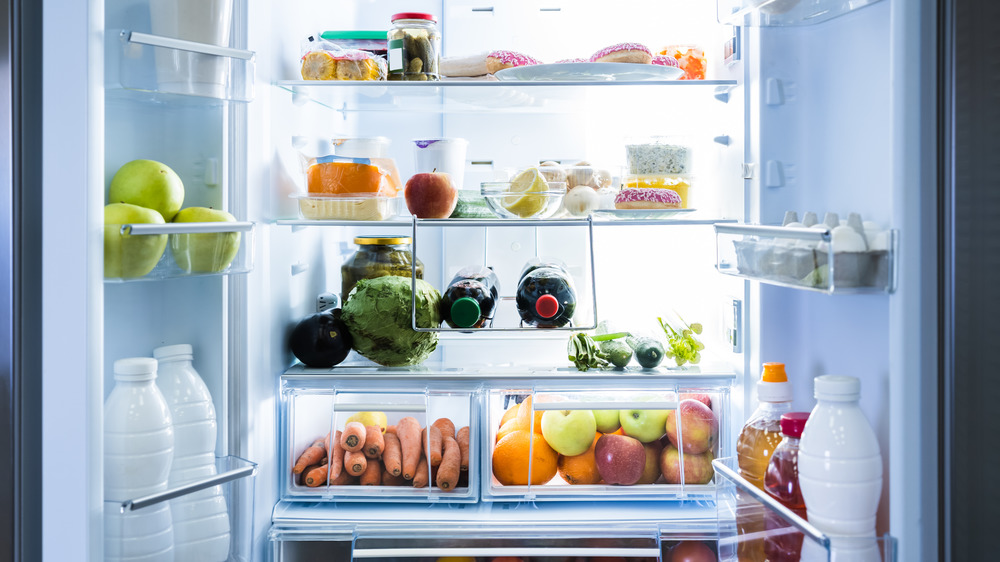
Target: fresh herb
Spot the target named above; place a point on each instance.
(682, 345)
(584, 352)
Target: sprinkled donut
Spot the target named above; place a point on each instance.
(499, 60)
(665, 60)
(647, 198)
(624, 52)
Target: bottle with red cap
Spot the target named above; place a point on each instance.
(781, 482)
(471, 298)
(545, 294)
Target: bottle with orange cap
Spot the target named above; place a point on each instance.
(760, 436)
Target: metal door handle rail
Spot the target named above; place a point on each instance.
(184, 45)
(221, 478)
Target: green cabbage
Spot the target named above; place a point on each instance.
(377, 314)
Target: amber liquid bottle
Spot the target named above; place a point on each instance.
(781, 482)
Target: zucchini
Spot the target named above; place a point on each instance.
(648, 351)
(619, 353)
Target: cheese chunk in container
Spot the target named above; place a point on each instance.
(658, 155)
(335, 175)
(348, 206)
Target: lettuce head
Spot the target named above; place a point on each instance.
(377, 314)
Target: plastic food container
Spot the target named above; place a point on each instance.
(348, 206)
(677, 182)
(659, 155)
(527, 205)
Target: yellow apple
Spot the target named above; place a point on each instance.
(129, 255)
(208, 252)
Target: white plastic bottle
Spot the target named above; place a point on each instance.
(840, 463)
(138, 449)
(201, 520)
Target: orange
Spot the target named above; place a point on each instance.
(509, 414)
(510, 459)
(582, 468)
(524, 416)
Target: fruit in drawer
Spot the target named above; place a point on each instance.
(510, 459)
(149, 184)
(569, 432)
(582, 468)
(369, 418)
(209, 252)
(697, 468)
(651, 471)
(620, 459)
(703, 398)
(129, 255)
(644, 425)
(430, 195)
(691, 551)
(699, 427)
(607, 420)
(522, 420)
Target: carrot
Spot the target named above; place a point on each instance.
(446, 427)
(435, 452)
(422, 477)
(312, 455)
(463, 444)
(353, 438)
(336, 456)
(317, 476)
(372, 476)
(301, 478)
(343, 480)
(451, 460)
(355, 463)
(374, 441)
(388, 479)
(390, 429)
(408, 431)
(392, 455)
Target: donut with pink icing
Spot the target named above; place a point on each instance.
(647, 198)
(624, 52)
(499, 60)
(665, 60)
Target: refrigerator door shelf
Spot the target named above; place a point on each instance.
(165, 65)
(315, 410)
(180, 250)
(766, 13)
(807, 258)
(743, 506)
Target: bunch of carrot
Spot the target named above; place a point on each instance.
(399, 456)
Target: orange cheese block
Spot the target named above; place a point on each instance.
(340, 178)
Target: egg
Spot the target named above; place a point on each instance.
(846, 239)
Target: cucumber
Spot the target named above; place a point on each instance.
(648, 351)
(619, 353)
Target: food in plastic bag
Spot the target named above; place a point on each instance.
(324, 60)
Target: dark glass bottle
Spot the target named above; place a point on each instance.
(545, 297)
(471, 298)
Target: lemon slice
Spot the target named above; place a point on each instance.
(523, 198)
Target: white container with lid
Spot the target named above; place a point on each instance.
(200, 519)
(138, 450)
(840, 462)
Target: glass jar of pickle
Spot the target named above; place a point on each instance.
(414, 47)
(378, 256)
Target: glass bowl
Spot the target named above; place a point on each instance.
(523, 205)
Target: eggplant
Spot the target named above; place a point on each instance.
(321, 340)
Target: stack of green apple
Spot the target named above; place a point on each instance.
(634, 446)
(149, 192)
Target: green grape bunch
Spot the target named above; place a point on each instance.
(682, 345)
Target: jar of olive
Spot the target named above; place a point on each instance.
(378, 256)
(414, 47)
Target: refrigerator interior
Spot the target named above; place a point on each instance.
(790, 105)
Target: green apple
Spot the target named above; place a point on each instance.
(644, 425)
(569, 432)
(607, 420)
(150, 184)
(209, 252)
(128, 255)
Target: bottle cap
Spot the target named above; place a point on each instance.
(793, 423)
(547, 306)
(135, 369)
(838, 388)
(173, 351)
(465, 312)
(773, 385)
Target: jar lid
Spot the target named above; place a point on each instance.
(135, 369)
(413, 16)
(793, 423)
(373, 240)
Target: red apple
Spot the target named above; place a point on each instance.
(698, 426)
(691, 551)
(620, 459)
(703, 398)
(697, 468)
(430, 195)
(651, 473)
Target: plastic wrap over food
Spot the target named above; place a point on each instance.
(336, 175)
(325, 60)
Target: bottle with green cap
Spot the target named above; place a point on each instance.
(471, 298)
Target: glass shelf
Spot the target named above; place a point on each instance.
(806, 258)
(749, 519)
(152, 63)
(765, 13)
(180, 250)
(493, 96)
(407, 222)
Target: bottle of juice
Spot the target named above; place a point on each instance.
(781, 482)
(754, 447)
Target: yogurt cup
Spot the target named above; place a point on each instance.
(442, 155)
